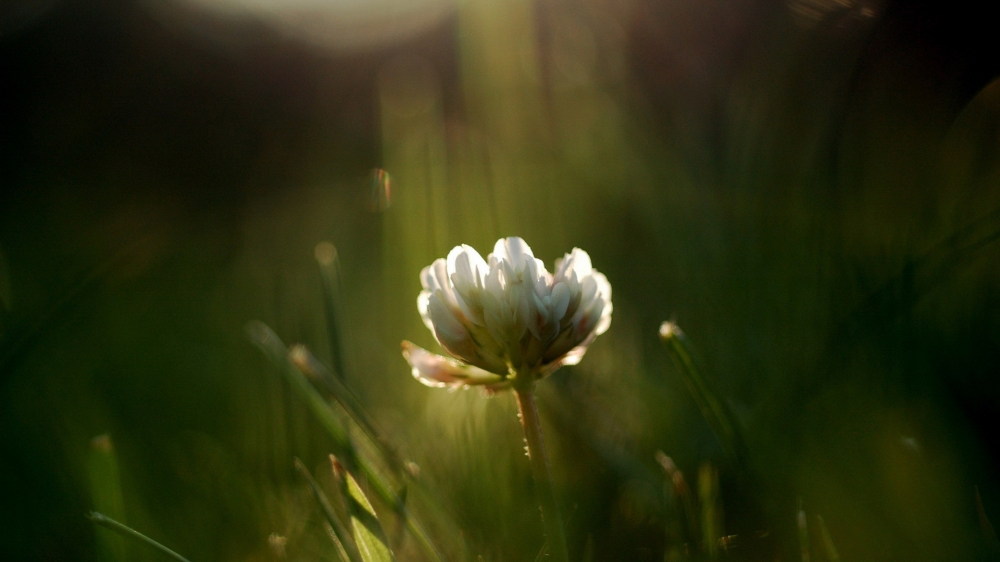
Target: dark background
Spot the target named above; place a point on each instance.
(810, 189)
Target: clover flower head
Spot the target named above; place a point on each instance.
(506, 319)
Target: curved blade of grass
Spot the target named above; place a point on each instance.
(340, 528)
(319, 373)
(329, 273)
(312, 367)
(828, 547)
(344, 449)
(337, 544)
(715, 411)
(275, 350)
(368, 532)
(682, 492)
(106, 495)
(125, 531)
(543, 553)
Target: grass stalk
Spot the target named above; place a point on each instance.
(106, 496)
(128, 532)
(719, 417)
(344, 449)
(342, 534)
(551, 520)
(330, 278)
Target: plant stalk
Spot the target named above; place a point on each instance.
(123, 530)
(540, 470)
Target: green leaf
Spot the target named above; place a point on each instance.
(368, 532)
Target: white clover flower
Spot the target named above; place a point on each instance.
(506, 319)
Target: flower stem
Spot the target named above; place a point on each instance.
(540, 470)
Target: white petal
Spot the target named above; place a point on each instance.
(581, 262)
(588, 290)
(541, 317)
(466, 270)
(493, 314)
(604, 290)
(560, 301)
(572, 357)
(441, 372)
(450, 333)
(427, 280)
(523, 303)
(423, 300)
(466, 261)
(512, 249)
(543, 279)
(576, 261)
(591, 315)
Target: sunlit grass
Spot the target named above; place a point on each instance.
(791, 184)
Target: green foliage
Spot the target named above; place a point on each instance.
(342, 537)
(796, 182)
(128, 532)
(106, 496)
(713, 408)
(368, 532)
(334, 424)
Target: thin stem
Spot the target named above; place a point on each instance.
(540, 470)
(117, 527)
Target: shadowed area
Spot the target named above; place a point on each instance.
(809, 189)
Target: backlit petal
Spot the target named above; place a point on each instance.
(441, 372)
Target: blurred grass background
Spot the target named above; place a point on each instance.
(808, 187)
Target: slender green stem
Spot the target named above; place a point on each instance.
(540, 469)
(117, 527)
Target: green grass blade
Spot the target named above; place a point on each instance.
(329, 272)
(682, 494)
(828, 547)
(803, 527)
(275, 350)
(125, 531)
(368, 532)
(338, 546)
(106, 496)
(344, 449)
(313, 368)
(715, 411)
(588, 550)
(340, 528)
(543, 553)
(711, 509)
